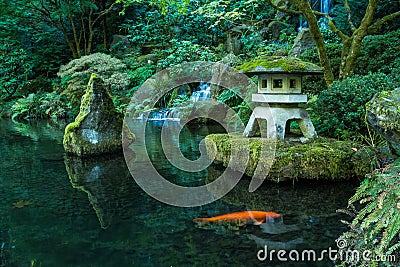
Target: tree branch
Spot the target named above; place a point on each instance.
(104, 12)
(349, 17)
(374, 28)
(335, 30)
(284, 10)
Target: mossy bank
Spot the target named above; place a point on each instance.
(318, 159)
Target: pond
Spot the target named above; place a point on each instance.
(62, 211)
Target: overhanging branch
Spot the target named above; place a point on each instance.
(374, 28)
(282, 9)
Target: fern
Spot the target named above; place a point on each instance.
(376, 227)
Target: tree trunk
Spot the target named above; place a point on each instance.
(91, 33)
(305, 8)
(105, 41)
(352, 46)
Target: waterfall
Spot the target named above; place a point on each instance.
(203, 94)
(326, 6)
(163, 115)
(172, 114)
(323, 6)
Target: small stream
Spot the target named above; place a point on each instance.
(63, 211)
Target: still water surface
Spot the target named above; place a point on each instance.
(62, 211)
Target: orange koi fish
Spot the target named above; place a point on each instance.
(240, 218)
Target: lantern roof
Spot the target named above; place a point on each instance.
(279, 65)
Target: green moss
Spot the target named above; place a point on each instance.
(75, 143)
(322, 158)
(285, 63)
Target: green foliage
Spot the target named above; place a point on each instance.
(151, 27)
(39, 84)
(379, 53)
(15, 67)
(185, 51)
(231, 99)
(75, 75)
(329, 36)
(164, 5)
(225, 14)
(140, 74)
(334, 51)
(41, 105)
(376, 227)
(180, 100)
(339, 111)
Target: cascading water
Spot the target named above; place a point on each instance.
(162, 115)
(323, 6)
(203, 94)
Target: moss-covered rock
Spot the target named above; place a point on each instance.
(383, 114)
(322, 158)
(98, 127)
(279, 64)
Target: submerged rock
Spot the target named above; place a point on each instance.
(383, 114)
(321, 158)
(98, 127)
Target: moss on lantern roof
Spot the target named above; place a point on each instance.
(279, 65)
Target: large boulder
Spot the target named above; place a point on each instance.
(275, 28)
(302, 42)
(383, 114)
(98, 127)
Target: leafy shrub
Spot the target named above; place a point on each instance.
(140, 74)
(75, 75)
(231, 99)
(15, 67)
(379, 53)
(313, 85)
(339, 111)
(185, 51)
(376, 227)
(41, 105)
(39, 84)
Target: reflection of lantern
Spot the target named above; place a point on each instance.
(278, 98)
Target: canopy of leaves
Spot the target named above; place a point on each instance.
(75, 75)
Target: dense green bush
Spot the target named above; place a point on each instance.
(75, 75)
(15, 67)
(231, 99)
(313, 85)
(376, 227)
(39, 84)
(185, 51)
(339, 111)
(41, 105)
(379, 53)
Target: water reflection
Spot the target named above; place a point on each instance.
(103, 179)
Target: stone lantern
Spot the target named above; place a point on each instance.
(279, 95)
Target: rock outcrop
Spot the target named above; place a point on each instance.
(302, 42)
(317, 159)
(383, 114)
(98, 127)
